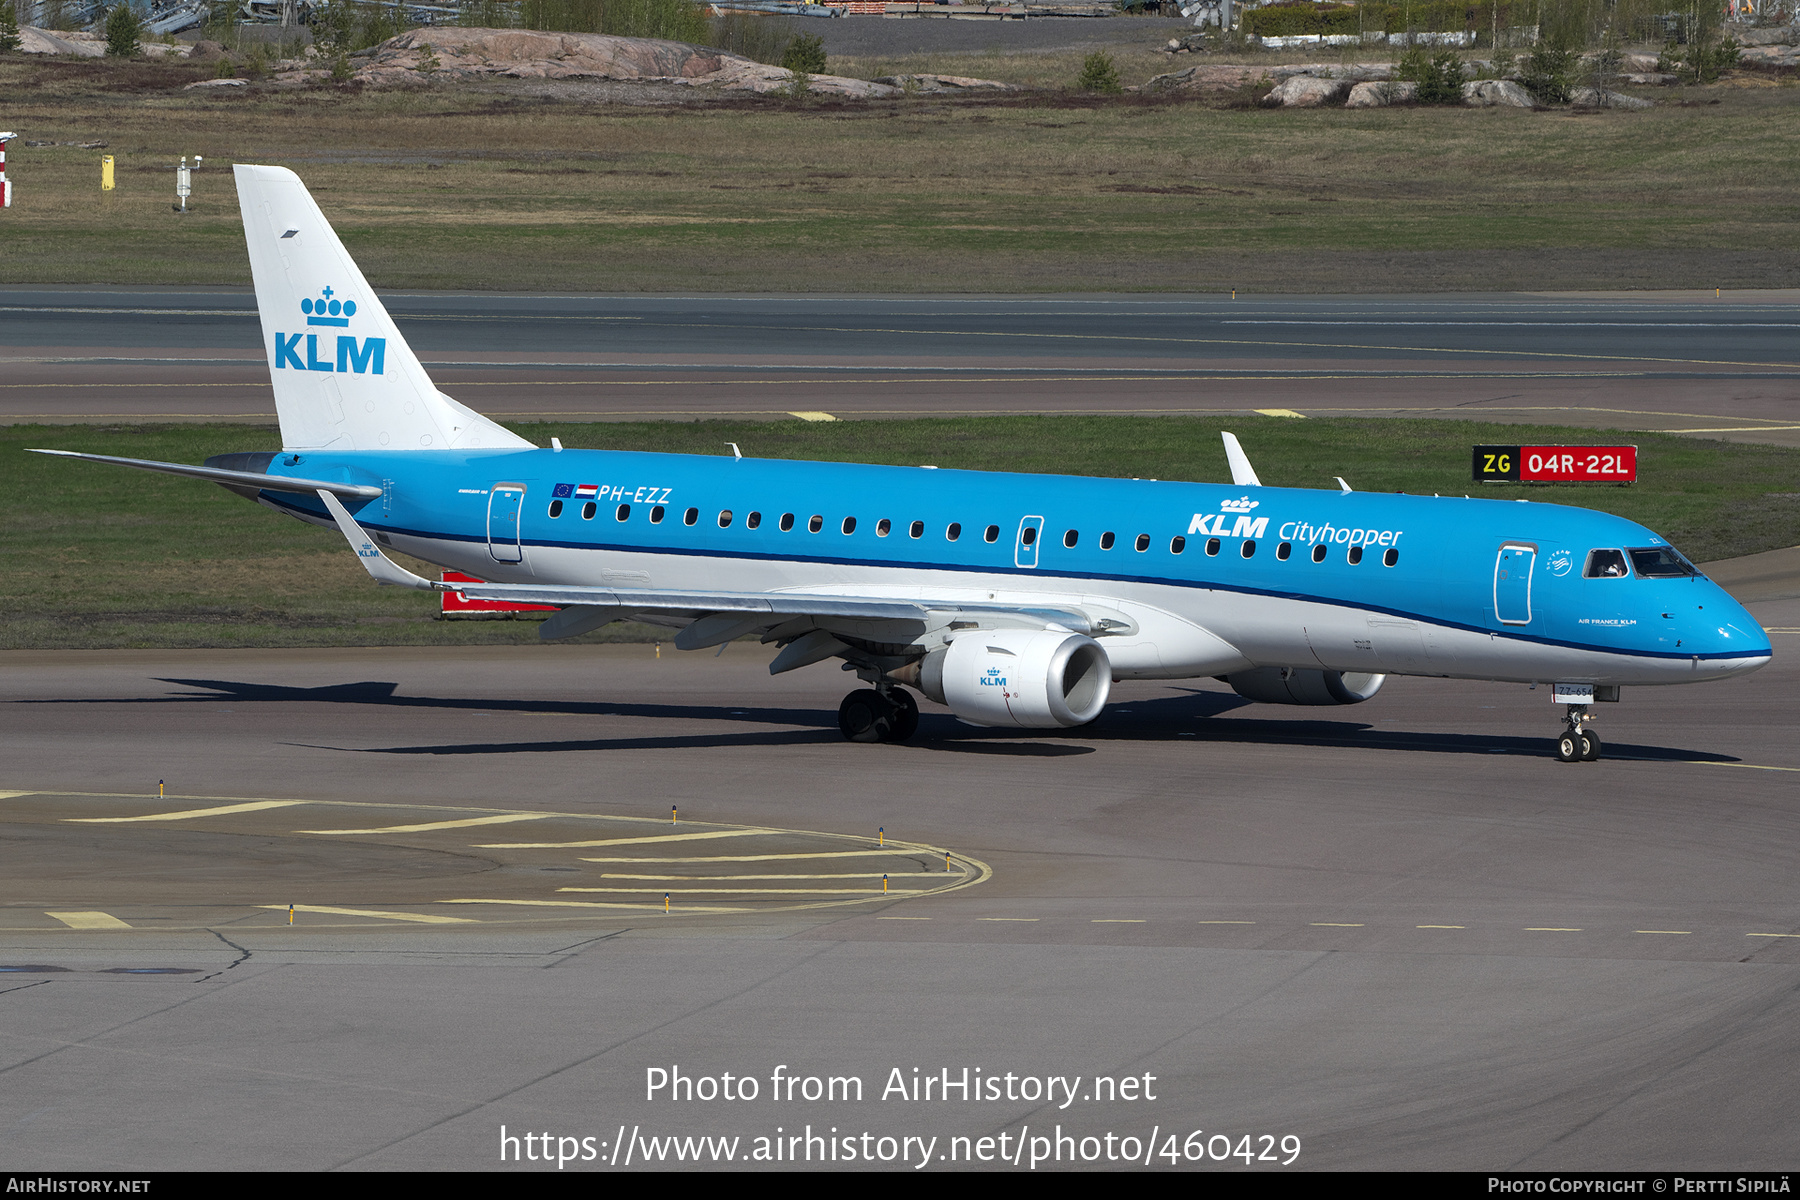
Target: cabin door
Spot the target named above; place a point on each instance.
(1513, 571)
(504, 502)
(1025, 549)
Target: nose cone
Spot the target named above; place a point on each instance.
(1727, 639)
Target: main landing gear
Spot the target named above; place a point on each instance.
(885, 714)
(1578, 743)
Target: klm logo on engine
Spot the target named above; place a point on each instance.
(995, 677)
(1242, 526)
(365, 357)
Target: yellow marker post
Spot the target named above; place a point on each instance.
(106, 172)
(946, 862)
(881, 836)
(659, 650)
(672, 814)
(884, 885)
(159, 789)
(290, 914)
(665, 904)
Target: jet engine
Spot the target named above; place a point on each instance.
(1028, 679)
(1303, 685)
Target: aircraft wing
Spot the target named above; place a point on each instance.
(711, 618)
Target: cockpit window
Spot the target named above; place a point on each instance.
(1660, 562)
(1606, 564)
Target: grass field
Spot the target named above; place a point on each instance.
(104, 557)
(1050, 191)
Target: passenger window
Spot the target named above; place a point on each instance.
(1070, 538)
(590, 508)
(815, 523)
(991, 534)
(1319, 552)
(1249, 550)
(787, 522)
(1212, 547)
(656, 514)
(1390, 558)
(1106, 540)
(753, 521)
(849, 525)
(1605, 564)
(1282, 551)
(725, 518)
(953, 532)
(1143, 542)
(1355, 555)
(882, 526)
(624, 513)
(690, 516)
(1177, 545)
(555, 509)
(1028, 535)
(916, 530)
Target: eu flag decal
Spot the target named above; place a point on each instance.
(563, 491)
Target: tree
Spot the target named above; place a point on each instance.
(123, 31)
(805, 55)
(1098, 74)
(9, 28)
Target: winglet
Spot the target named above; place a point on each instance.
(377, 564)
(1342, 484)
(1242, 473)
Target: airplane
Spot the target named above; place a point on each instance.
(1014, 600)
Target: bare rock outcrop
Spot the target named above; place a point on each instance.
(1496, 93)
(1589, 97)
(471, 53)
(1306, 91)
(41, 41)
(939, 84)
(1380, 95)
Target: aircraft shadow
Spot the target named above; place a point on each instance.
(1182, 716)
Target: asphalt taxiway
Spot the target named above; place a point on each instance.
(1400, 932)
(1694, 363)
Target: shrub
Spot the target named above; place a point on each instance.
(1547, 73)
(805, 55)
(1442, 81)
(9, 28)
(1098, 74)
(123, 31)
(758, 38)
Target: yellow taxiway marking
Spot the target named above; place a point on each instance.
(813, 416)
(10, 795)
(716, 878)
(88, 920)
(188, 814)
(745, 858)
(666, 837)
(1006, 918)
(1733, 429)
(1746, 766)
(1280, 412)
(421, 918)
(593, 904)
(1792, 935)
(1337, 924)
(1548, 929)
(1662, 931)
(749, 891)
(503, 819)
(1440, 926)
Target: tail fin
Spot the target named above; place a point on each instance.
(344, 377)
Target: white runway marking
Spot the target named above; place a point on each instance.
(637, 841)
(88, 920)
(188, 814)
(421, 918)
(504, 819)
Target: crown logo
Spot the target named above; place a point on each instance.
(325, 311)
(1241, 505)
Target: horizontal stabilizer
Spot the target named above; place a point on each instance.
(272, 483)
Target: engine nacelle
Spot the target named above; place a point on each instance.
(1304, 685)
(1027, 679)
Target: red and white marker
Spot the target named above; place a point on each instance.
(5, 184)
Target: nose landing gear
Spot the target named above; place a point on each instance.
(1578, 743)
(879, 714)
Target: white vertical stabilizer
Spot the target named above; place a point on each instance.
(344, 377)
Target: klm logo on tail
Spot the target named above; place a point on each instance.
(368, 357)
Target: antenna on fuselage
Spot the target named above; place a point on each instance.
(1242, 473)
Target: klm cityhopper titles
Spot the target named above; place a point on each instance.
(1014, 600)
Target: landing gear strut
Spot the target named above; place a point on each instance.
(1578, 743)
(885, 714)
